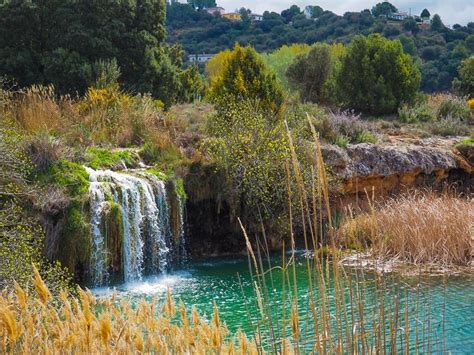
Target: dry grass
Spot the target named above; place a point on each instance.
(420, 228)
(35, 323)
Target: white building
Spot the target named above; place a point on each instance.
(200, 58)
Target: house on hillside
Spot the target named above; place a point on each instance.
(233, 16)
(200, 58)
(256, 17)
(215, 10)
(398, 16)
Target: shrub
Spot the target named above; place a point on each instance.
(44, 150)
(344, 127)
(245, 77)
(376, 76)
(414, 114)
(455, 108)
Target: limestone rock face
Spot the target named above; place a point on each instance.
(396, 164)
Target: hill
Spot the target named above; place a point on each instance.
(438, 49)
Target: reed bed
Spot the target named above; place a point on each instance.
(418, 227)
(34, 322)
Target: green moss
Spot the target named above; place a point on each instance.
(179, 189)
(159, 174)
(469, 142)
(98, 158)
(165, 158)
(71, 176)
(75, 241)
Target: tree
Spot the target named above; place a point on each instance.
(464, 85)
(309, 73)
(425, 14)
(250, 146)
(245, 76)
(202, 4)
(65, 49)
(437, 25)
(409, 24)
(383, 8)
(316, 11)
(288, 14)
(376, 76)
(279, 60)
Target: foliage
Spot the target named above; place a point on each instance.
(200, 32)
(376, 76)
(215, 66)
(245, 76)
(436, 24)
(107, 159)
(314, 73)
(453, 107)
(416, 113)
(202, 4)
(111, 41)
(248, 142)
(465, 84)
(21, 236)
(383, 8)
(342, 128)
(425, 14)
(280, 59)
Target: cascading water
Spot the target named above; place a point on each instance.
(146, 237)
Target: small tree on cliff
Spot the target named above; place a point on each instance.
(376, 76)
(244, 76)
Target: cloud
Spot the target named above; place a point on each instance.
(451, 11)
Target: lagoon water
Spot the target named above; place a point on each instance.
(445, 305)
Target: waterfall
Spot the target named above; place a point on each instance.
(146, 238)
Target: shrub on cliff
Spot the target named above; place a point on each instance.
(21, 236)
(376, 76)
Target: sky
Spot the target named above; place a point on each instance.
(451, 11)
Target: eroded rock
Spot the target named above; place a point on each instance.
(397, 164)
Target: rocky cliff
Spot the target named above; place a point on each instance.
(399, 163)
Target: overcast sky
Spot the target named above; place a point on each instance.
(451, 11)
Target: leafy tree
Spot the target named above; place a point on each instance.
(383, 8)
(309, 73)
(245, 76)
(316, 11)
(280, 59)
(64, 49)
(409, 24)
(464, 85)
(249, 144)
(376, 76)
(215, 66)
(436, 24)
(425, 14)
(202, 4)
(408, 44)
(288, 14)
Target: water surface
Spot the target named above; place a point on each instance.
(445, 305)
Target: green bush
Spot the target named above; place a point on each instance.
(454, 107)
(414, 114)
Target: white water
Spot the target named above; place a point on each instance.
(147, 238)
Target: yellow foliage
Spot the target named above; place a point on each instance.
(470, 103)
(215, 66)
